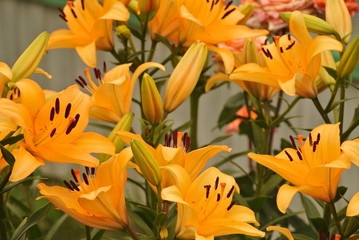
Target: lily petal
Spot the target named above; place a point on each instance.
(117, 12)
(282, 230)
(5, 70)
(226, 55)
(88, 54)
(94, 143)
(32, 95)
(285, 196)
(353, 206)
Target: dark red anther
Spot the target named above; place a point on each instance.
(290, 46)
(218, 197)
(83, 81)
(230, 192)
(74, 175)
(52, 114)
(216, 2)
(212, 5)
(228, 4)
(84, 176)
(292, 140)
(230, 206)
(74, 185)
(310, 140)
(83, 4)
(264, 51)
(68, 185)
(57, 106)
(175, 138)
(314, 146)
(53, 132)
(207, 187)
(87, 170)
(288, 155)
(67, 111)
(63, 17)
(216, 183)
(104, 67)
(289, 37)
(318, 138)
(79, 83)
(269, 54)
(281, 49)
(93, 170)
(299, 155)
(73, 13)
(227, 13)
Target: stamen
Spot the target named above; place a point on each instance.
(207, 187)
(230, 206)
(63, 17)
(104, 67)
(68, 109)
(175, 138)
(315, 146)
(53, 132)
(83, 4)
(299, 155)
(74, 185)
(228, 4)
(74, 175)
(87, 170)
(310, 140)
(264, 51)
(216, 183)
(93, 170)
(79, 83)
(216, 2)
(230, 192)
(11, 97)
(83, 80)
(218, 197)
(73, 13)
(57, 106)
(62, 14)
(52, 114)
(266, 41)
(212, 5)
(68, 185)
(269, 54)
(290, 46)
(85, 178)
(289, 37)
(227, 13)
(292, 140)
(281, 49)
(318, 138)
(288, 155)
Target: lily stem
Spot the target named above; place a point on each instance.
(194, 99)
(88, 232)
(132, 233)
(321, 110)
(335, 217)
(280, 118)
(152, 51)
(341, 108)
(352, 126)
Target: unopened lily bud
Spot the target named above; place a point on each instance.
(350, 59)
(133, 6)
(247, 10)
(152, 105)
(337, 15)
(185, 76)
(146, 162)
(147, 6)
(123, 32)
(27, 63)
(124, 124)
(313, 23)
(251, 53)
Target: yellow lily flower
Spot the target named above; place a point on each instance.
(193, 162)
(313, 167)
(353, 206)
(351, 148)
(99, 199)
(90, 27)
(292, 63)
(113, 97)
(54, 132)
(205, 206)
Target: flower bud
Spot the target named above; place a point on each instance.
(123, 33)
(246, 10)
(146, 162)
(147, 6)
(124, 124)
(185, 76)
(350, 59)
(314, 24)
(337, 15)
(152, 105)
(27, 63)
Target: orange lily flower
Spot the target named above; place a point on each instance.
(205, 206)
(90, 27)
(353, 206)
(293, 63)
(314, 167)
(112, 98)
(53, 131)
(99, 199)
(193, 162)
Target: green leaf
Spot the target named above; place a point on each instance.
(12, 140)
(51, 233)
(313, 215)
(230, 108)
(219, 139)
(10, 186)
(340, 193)
(271, 184)
(98, 234)
(259, 136)
(27, 223)
(336, 103)
(331, 71)
(9, 158)
(301, 237)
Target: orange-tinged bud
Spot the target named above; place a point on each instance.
(147, 6)
(146, 162)
(337, 15)
(185, 76)
(124, 124)
(27, 63)
(350, 59)
(152, 105)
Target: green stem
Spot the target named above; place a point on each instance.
(88, 232)
(276, 121)
(352, 126)
(132, 44)
(341, 108)
(152, 51)
(349, 228)
(194, 100)
(321, 110)
(169, 58)
(3, 231)
(159, 199)
(332, 97)
(335, 217)
(143, 41)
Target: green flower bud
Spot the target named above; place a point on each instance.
(146, 162)
(30, 59)
(123, 32)
(151, 100)
(124, 124)
(350, 59)
(314, 24)
(247, 11)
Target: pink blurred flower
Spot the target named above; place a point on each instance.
(242, 113)
(352, 6)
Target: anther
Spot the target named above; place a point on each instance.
(216, 183)
(292, 140)
(83, 80)
(83, 4)
(175, 138)
(104, 67)
(68, 109)
(74, 175)
(315, 146)
(230, 192)
(228, 4)
(264, 51)
(74, 185)
(281, 49)
(57, 106)
(230, 206)
(269, 54)
(93, 170)
(299, 155)
(52, 114)
(289, 37)
(310, 140)
(207, 187)
(79, 83)
(84, 176)
(73, 13)
(87, 170)
(212, 5)
(218, 197)
(318, 138)
(288, 155)
(68, 185)
(227, 13)
(216, 2)
(290, 46)
(53, 132)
